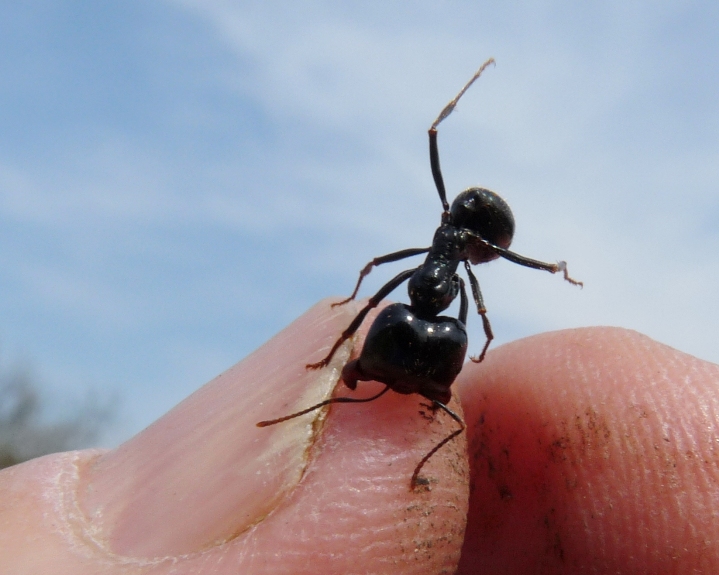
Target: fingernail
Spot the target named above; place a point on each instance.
(204, 472)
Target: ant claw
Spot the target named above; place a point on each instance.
(318, 365)
(343, 302)
(420, 484)
(562, 267)
(426, 416)
(432, 410)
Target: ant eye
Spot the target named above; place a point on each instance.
(486, 214)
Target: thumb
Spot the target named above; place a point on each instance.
(205, 490)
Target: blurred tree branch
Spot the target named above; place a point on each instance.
(24, 434)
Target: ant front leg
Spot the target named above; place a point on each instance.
(481, 310)
(528, 262)
(359, 318)
(393, 257)
(436, 170)
(433, 148)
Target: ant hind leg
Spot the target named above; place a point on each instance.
(416, 480)
(322, 404)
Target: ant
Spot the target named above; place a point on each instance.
(411, 348)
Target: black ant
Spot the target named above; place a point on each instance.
(411, 348)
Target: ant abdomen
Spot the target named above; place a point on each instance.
(486, 214)
(410, 354)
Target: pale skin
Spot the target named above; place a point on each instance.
(591, 450)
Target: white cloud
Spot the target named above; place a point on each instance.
(269, 179)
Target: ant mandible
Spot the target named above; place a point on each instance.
(411, 348)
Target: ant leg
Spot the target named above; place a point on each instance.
(529, 262)
(428, 416)
(415, 476)
(436, 170)
(433, 149)
(359, 318)
(481, 310)
(322, 404)
(448, 109)
(393, 257)
(463, 305)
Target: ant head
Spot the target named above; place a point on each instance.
(486, 214)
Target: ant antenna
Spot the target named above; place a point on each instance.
(322, 404)
(450, 107)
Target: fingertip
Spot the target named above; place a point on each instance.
(588, 451)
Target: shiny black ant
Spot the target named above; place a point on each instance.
(411, 348)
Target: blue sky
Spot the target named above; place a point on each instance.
(181, 179)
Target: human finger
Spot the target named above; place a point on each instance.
(203, 490)
(592, 450)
